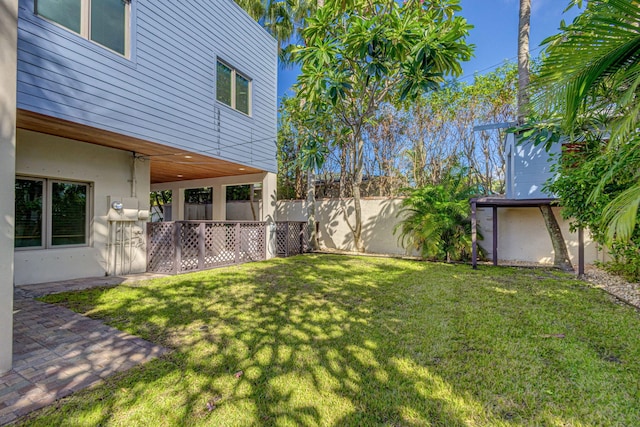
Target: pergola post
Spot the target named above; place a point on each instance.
(474, 237)
(495, 235)
(580, 252)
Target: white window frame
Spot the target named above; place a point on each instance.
(85, 25)
(234, 73)
(47, 213)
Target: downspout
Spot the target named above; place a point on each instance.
(133, 175)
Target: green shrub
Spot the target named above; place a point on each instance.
(436, 219)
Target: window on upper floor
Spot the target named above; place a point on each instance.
(105, 22)
(233, 88)
(51, 213)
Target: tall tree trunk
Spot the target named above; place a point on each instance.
(561, 256)
(358, 161)
(311, 211)
(343, 172)
(299, 183)
(523, 58)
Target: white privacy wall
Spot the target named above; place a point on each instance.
(522, 235)
(334, 217)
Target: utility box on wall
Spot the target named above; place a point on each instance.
(528, 167)
(126, 209)
(126, 250)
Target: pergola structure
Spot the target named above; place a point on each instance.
(496, 202)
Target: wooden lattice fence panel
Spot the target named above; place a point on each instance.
(189, 246)
(219, 245)
(253, 242)
(183, 246)
(160, 247)
(292, 238)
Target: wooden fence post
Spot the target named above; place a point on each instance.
(149, 234)
(301, 237)
(237, 241)
(267, 237)
(201, 245)
(177, 247)
(286, 244)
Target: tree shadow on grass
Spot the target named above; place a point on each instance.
(311, 340)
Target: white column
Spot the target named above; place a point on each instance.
(269, 197)
(177, 203)
(219, 200)
(8, 78)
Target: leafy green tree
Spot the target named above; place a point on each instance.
(579, 170)
(436, 218)
(358, 54)
(313, 154)
(303, 148)
(589, 88)
(289, 141)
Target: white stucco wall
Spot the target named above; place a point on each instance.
(522, 235)
(109, 171)
(241, 210)
(378, 221)
(8, 67)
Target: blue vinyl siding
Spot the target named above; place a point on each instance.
(165, 91)
(529, 167)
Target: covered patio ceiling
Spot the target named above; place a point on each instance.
(168, 164)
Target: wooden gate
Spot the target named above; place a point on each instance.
(185, 246)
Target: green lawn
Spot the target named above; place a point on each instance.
(351, 341)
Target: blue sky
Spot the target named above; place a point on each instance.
(495, 34)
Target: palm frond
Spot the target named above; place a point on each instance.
(621, 215)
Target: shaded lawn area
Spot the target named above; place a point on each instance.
(341, 341)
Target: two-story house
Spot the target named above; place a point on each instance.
(101, 100)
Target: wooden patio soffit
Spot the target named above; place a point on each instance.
(168, 164)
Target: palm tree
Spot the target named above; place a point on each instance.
(281, 18)
(561, 255)
(436, 220)
(524, 28)
(593, 69)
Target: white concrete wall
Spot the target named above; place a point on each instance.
(240, 210)
(109, 171)
(8, 70)
(522, 235)
(378, 222)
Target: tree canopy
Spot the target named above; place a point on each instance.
(358, 54)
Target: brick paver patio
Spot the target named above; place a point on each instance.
(57, 352)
